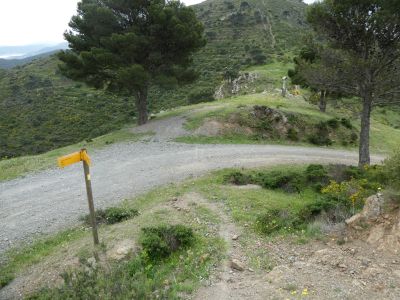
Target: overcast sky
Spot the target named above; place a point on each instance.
(39, 21)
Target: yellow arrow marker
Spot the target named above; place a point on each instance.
(74, 158)
(69, 159)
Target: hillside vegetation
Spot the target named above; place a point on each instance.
(41, 110)
(245, 119)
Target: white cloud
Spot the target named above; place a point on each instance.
(27, 21)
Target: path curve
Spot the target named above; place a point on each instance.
(52, 200)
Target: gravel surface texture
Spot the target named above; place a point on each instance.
(45, 202)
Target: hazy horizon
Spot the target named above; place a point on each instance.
(27, 22)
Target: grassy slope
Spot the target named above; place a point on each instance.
(385, 125)
(41, 110)
(44, 255)
(15, 167)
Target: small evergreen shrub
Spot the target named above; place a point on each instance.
(317, 176)
(160, 242)
(333, 123)
(346, 123)
(112, 215)
(392, 170)
(290, 182)
(199, 95)
(292, 134)
(320, 140)
(237, 178)
(353, 138)
(277, 219)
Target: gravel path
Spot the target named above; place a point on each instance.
(48, 201)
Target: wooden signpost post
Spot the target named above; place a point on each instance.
(76, 157)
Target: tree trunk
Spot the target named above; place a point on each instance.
(364, 158)
(141, 107)
(322, 101)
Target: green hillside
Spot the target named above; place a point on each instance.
(41, 110)
(239, 34)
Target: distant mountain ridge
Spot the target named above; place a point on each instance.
(11, 63)
(12, 56)
(24, 51)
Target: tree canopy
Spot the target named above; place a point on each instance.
(126, 46)
(365, 37)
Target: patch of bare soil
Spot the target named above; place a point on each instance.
(335, 268)
(215, 128)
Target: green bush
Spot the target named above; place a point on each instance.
(321, 136)
(277, 219)
(112, 215)
(310, 211)
(317, 176)
(237, 178)
(353, 138)
(200, 95)
(319, 140)
(346, 123)
(292, 134)
(392, 170)
(333, 123)
(160, 242)
(290, 181)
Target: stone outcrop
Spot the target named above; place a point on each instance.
(372, 209)
(235, 86)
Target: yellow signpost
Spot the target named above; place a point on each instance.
(82, 156)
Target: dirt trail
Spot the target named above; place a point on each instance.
(231, 283)
(52, 200)
(164, 129)
(318, 269)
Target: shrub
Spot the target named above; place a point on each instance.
(321, 136)
(341, 173)
(350, 193)
(287, 181)
(353, 137)
(316, 173)
(112, 215)
(346, 123)
(160, 242)
(237, 178)
(292, 134)
(333, 123)
(319, 140)
(200, 95)
(277, 219)
(392, 170)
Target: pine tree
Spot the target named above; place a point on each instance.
(126, 46)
